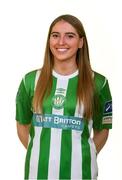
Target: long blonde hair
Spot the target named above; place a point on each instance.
(85, 89)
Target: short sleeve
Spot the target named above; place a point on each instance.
(23, 105)
(102, 118)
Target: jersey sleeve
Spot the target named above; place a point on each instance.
(102, 118)
(23, 105)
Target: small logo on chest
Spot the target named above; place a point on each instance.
(59, 99)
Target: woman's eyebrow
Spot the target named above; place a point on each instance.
(70, 33)
(54, 32)
(65, 33)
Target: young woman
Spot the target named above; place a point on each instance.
(58, 105)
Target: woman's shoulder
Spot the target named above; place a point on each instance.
(100, 80)
(31, 74)
(30, 79)
(99, 76)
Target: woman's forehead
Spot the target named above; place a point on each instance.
(63, 26)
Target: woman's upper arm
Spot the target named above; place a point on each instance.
(22, 127)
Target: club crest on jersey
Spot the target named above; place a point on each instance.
(58, 101)
(108, 107)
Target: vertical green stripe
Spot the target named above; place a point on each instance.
(44, 153)
(30, 83)
(45, 137)
(28, 155)
(86, 155)
(65, 161)
(66, 142)
(47, 104)
(71, 97)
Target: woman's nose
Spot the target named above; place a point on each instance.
(61, 40)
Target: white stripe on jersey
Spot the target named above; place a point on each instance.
(33, 171)
(54, 158)
(93, 152)
(55, 142)
(94, 167)
(76, 165)
(104, 83)
(37, 77)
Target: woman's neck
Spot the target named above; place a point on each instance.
(65, 68)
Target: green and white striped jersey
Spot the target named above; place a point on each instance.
(60, 145)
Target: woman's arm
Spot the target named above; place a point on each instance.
(23, 133)
(100, 138)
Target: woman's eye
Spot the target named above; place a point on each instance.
(55, 35)
(70, 36)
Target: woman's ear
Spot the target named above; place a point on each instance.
(81, 43)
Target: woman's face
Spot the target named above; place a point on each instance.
(64, 41)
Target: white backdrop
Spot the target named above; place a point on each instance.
(23, 31)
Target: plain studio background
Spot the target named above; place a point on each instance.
(23, 31)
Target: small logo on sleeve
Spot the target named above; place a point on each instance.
(108, 107)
